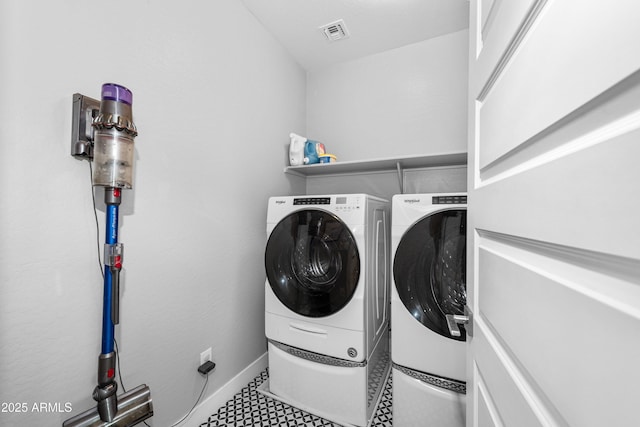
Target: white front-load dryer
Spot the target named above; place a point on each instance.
(327, 302)
(428, 241)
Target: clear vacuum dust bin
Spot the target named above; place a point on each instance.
(114, 133)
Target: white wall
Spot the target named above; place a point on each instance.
(406, 101)
(386, 184)
(215, 98)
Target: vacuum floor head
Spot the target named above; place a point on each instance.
(134, 407)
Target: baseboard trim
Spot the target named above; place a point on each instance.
(227, 391)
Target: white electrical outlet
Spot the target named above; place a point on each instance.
(205, 356)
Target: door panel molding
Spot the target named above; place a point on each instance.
(541, 312)
(542, 93)
(488, 415)
(612, 113)
(579, 200)
(528, 17)
(622, 268)
(553, 240)
(509, 387)
(488, 13)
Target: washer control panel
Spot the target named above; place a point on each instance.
(312, 201)
(340, 203)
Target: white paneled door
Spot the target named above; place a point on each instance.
(554, 213)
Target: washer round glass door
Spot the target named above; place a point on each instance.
(312, 263)
(429, 269)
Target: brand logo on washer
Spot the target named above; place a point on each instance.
(412, 200)
(280, 202)
(352, 352)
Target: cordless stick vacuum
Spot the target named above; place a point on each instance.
(113, 155)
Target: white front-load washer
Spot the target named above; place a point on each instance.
(428, 241)
(327, 302)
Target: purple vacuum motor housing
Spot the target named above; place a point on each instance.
(113, 138)
(115, 92)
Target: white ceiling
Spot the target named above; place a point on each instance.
(375, 25)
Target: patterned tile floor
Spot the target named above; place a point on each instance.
(248, 408)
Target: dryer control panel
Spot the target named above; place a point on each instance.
(449, 200)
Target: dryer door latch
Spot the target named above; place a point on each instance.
(467, 320)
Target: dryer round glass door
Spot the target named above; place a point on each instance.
(312, 263)
(429, 269)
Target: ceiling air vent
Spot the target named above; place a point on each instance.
(335, 31)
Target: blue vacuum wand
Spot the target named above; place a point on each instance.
(105, 391)
(113, 153)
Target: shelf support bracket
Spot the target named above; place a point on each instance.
(400, 180)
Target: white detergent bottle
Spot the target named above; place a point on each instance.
(296, 149)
